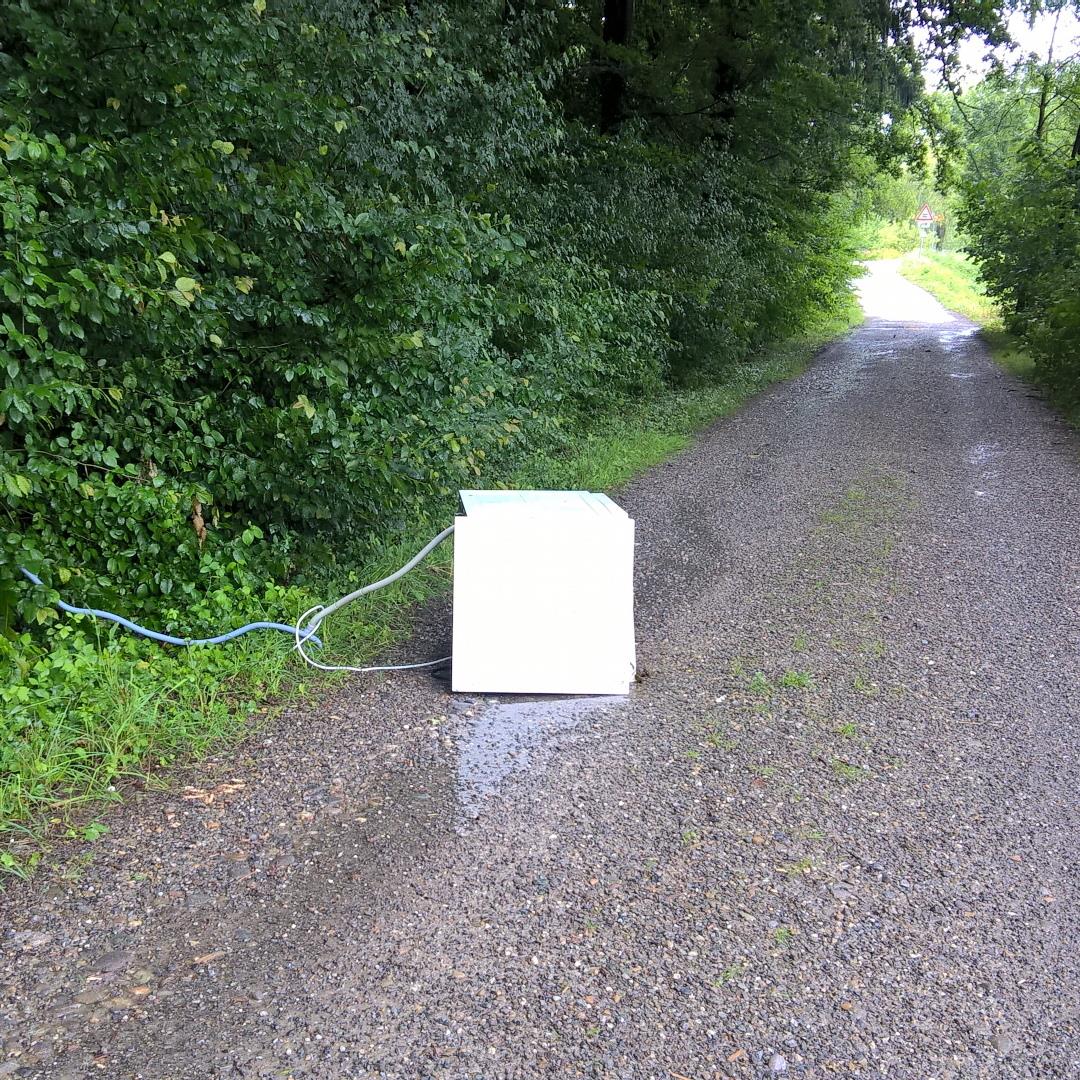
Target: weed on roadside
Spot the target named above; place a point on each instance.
(759, 684)
(844, 770)
(730, 974)
(719, 741)
(865, 686)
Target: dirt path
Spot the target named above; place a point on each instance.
(834, 832)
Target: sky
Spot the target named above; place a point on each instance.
(1035, 38)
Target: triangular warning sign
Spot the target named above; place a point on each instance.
(925, 216)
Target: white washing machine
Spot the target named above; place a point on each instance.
(543, 594)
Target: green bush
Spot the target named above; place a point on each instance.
(890, 239)
(228, 331)
(1018, 176)
(277, 281)
(1026, 238)
(732, 259)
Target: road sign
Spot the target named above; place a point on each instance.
(925, 216)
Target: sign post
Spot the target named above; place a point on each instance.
(925, 220)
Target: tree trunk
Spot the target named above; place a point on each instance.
(1044, 100)
(618, 25)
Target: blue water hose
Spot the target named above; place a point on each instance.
(169, 639)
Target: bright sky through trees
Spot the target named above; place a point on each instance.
(1062, 28)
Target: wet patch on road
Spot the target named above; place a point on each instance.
(502, 737)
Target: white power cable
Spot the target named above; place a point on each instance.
(319, 613)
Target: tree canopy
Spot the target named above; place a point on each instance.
(1015, 164)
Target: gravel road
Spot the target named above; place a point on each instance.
(833, 832)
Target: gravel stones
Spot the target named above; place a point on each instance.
(112, 962)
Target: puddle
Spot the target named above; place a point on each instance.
(981, 453)
(961, 374)
(506, 737)
(954, 339)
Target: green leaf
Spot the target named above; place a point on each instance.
(302, 403)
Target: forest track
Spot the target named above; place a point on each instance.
(833, 832)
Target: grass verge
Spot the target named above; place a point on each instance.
(111, 710)
(953, 278)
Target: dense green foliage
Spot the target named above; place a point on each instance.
(277, 280)
(1018, 174)
(217, 296)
